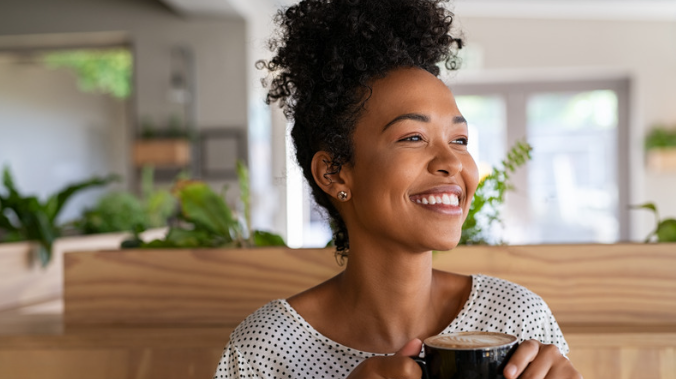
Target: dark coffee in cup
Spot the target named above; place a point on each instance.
(467, 355)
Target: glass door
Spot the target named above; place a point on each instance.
(575, 188)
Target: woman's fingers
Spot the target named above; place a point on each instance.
(397, 366)
(524, 355)
(535, 360)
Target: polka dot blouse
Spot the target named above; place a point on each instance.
(276, 342)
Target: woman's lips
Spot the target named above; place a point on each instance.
(444, 199)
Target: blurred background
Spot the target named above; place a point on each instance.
(87, 87)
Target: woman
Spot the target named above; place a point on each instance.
(383, 145)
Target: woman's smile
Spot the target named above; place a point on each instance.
(443, 199)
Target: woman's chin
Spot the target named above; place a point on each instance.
(446, 247)
(445, 244)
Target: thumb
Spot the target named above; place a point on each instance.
(412, 348)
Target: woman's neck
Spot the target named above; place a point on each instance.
(383, 299)
(389, 294)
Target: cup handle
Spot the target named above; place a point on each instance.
(423, 366)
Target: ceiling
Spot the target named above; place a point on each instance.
(574, 9)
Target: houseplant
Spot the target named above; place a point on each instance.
(660, 145)
(205, 220)
(26, 218)
(665, 230)
(124, 211)
(164, 147)
(489, 196)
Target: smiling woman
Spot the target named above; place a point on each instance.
(383, 145)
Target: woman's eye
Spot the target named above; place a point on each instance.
(415, 138)
(460, 141)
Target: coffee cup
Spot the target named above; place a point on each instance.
(467, 355)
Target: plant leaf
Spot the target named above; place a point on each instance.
(666, 230)
(5, 224)
(186, 239)
(245, 195)
(201, 206)
(56, 202)
(650, 206)
(8, 182)
(262, 238)
(44, 254)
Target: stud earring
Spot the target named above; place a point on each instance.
(342, 195)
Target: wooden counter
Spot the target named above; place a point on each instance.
(168, 314)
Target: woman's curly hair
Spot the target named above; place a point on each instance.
(328, 52)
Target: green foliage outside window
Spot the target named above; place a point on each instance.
(102, 71)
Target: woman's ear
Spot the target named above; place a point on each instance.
(331, 182)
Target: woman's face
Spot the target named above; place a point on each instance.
(413, 179)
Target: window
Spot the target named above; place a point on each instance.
(575, 189)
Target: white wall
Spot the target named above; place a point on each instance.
(152, 31)
(644, 50)
(219, 46)
(53, 134)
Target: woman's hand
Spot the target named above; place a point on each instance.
(535, 360)
(397, 366)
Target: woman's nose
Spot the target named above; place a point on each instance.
(445, 161)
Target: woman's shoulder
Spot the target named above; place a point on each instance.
(489, 286)
(502, 295)
(266, 324)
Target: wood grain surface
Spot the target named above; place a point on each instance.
(111, 352)
(167, 314)
(23, 281)
(602, 284)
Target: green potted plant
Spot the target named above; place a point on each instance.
(660, 145)
(166, 147)
(665, 230)
(26, 218)
(125, 212)
(206, 221)
(489, 197)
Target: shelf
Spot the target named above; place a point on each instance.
(162, 153)
(662, 160)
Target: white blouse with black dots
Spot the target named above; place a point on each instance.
(276, 342)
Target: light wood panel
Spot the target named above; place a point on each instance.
(25, 283)
(22, 279)
(604, 284)
(92, 352)
(186, 286)
(598, 284)
(98, 363)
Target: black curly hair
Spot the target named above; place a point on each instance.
(328, 52)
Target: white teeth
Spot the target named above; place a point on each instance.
(446, 199)
(454, 200)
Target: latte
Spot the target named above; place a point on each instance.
(470, 340)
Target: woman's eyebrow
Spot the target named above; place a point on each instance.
(407, 116)
(421, 118)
